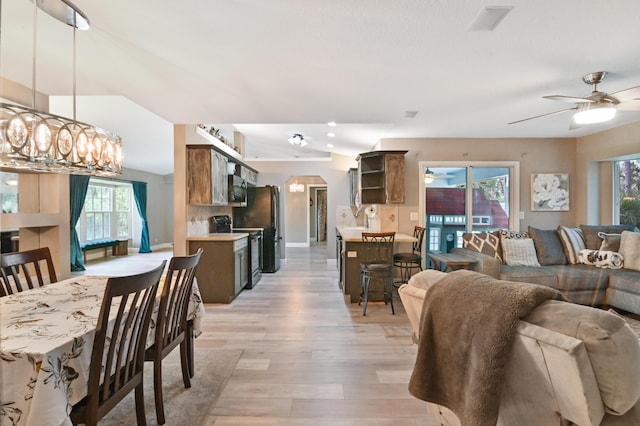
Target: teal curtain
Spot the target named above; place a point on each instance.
(140, 194)
(78, 185)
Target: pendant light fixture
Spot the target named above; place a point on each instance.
(38, 141)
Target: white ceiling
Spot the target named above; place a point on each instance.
(293, 65)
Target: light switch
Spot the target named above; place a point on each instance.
(521, 215)
(413, 216)
(352, 254)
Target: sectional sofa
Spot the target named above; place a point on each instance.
(590, 265)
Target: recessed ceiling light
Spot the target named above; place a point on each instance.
(489, 18)
(331, 135)
(329, 145)
(331, 123)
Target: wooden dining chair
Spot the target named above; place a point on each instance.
(23, 270)
(118, 350)
(171, 327)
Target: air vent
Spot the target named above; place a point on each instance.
(489, 18)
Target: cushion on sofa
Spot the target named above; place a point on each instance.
(610, 242)
(601, 258)
(508, 234)
(590, 233)
(572, 242)
(612, 346)
(424, 279)
(630, 249)
(519, 252)
(548, 246)
(483, 242)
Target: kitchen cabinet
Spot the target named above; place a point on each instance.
(207, 182)
(353, 185)
(381, 177)
(250, 176)
(223, 270)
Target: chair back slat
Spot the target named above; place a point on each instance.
(171, 321)
(118, 349)
(18, 270)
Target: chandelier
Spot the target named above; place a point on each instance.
(39, 141)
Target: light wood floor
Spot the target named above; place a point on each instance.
(309, 358)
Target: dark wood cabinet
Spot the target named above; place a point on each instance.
(223, 270)
(381, 177)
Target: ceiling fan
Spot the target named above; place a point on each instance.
(430, 176)
(596, 107)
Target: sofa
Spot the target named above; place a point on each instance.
(591, 265)
(568, 364)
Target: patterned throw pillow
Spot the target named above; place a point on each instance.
(601, 258)
(572, 242)
(519, 252)
(506, 234)
(483, 242)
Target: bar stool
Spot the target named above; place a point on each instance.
(407, 262)
(377, 264)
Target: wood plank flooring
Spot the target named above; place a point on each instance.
(309, 358)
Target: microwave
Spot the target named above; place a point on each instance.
(237, 190)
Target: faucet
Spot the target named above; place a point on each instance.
(366, 221)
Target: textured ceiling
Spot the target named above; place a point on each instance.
(277, 67)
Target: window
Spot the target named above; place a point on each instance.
(106, 212)
(628, 188)
(434, 239)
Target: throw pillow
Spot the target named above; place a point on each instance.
(572, 242)
(507, 234)
(519, 252)
(483, 242)
(590, 233)
(601, 258)
(548, 246)
(610, 241)
(630, 249)
(612, 347)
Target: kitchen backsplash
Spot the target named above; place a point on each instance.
(386, 217)
(198, 217)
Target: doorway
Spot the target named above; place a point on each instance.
(317, 214)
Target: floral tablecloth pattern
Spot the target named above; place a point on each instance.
(46, 336)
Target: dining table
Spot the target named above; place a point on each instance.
(46, 339)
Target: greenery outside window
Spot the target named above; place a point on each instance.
(628, 186)
(107, 211)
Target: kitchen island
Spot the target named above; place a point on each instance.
(352, 254)
(223, 270)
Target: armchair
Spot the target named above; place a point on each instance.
(569, 364)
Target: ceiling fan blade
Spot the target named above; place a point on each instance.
(574, 125)
(627, 94)
(629, 106)
(571, 99)
(544, 115)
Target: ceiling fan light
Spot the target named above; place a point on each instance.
(429, 177)
(297, 139)
(594, 113)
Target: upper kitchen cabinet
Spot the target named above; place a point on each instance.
(207, 182)
(250, 176)
(381, 177)
(353, 185)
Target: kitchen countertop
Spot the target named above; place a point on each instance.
(353, 234)
(219, 236)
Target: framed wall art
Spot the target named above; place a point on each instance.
(549, 192)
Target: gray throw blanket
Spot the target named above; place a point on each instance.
(467, 328)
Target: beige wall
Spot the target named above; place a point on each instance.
(594, 172)
(534, 156)
(296, 207)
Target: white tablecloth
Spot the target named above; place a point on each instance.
(46, 336)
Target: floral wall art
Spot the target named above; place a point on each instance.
(549, 192)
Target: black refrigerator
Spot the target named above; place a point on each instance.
(263, 211)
